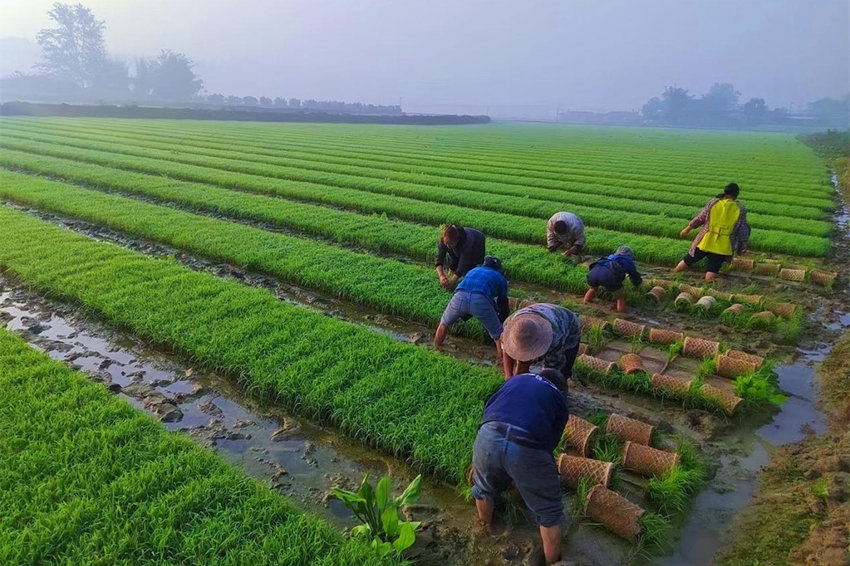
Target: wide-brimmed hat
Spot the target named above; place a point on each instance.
(527, 336)
(626, 251)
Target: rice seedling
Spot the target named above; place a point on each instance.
(595, 338)
(579, 502)
(655, 538)
(607, 447)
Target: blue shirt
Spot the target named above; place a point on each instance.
(532, 403)
(485, 280)
(620, 266)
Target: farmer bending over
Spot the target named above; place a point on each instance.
(565, 228)
(522, 424)
(610, 272)
(465, 248)
(483, 293)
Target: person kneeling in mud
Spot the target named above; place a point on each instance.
(610, 272)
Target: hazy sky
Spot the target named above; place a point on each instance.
(577, 54)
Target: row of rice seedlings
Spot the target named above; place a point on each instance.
(87, 478)
(523, 262)
(407, 400)
(313, 157)
(765, 239)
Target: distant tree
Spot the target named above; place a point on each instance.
(675, 102)
(173, 78)
(74, 50)
(234, 100)
(216, 98)
(294, 103)
(265, 101)
(278, 101)
(722, 97)
(653, 110)
(249, 101)
(755, 111)
(111, 79)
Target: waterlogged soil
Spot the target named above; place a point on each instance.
(304, 461)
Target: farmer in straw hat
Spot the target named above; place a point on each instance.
(522, 424)
(567, 229)
(463, 248)
(545, 332)
(483, 293)
(610, 272)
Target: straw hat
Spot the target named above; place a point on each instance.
(527, 336)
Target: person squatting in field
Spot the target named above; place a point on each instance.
(724, 232)
(565, 228)
(610, 272)
(464, 248)
(483, 293)
(522, 424)
(541, 332)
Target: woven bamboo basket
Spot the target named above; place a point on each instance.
(822, 278)
(792, 274)
(700, 348)
(743, 263)
(588, 322)
(734, 310)
(618, 514)
(630, 363)
(526, 303)
(766, 268)
(720, 295)
(765, 317)
(705, 302)
(513, 304)
(629, 429)
(663, 336)
(729, 400)
(691, 290)
(733, 367)
(785, 310)
(578, 433)
(582, 348)
(684, 300)
(626, 328)
(752, 358)
(646, 460)
(656, 293)
(665, 283)
(672, 383)
(573, 468)
(596, 364)
(750, 299)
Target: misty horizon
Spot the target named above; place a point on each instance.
(481, 57)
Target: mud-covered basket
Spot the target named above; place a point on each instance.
(733, 367)
(578, 433)
(734, 310)
(630, 363)
(785, 310)
(629, 429)
(700, 348)
(573, 468)
(752, 358)
(656, 294)
(726, 399)
(618, 514)
(720, 295)
(749, 299)
(705, 303)
(690, 290)
(672, 383)
(822, 278)
(684, 300)
(743, 263)
(647, 461)
(595, 364)
(588, 322)
(628, 328)
(664, 336)
(763, 318)
(788, 274)
(766, 268)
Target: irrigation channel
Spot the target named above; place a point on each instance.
(304, 461)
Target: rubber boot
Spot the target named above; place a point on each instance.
(589, 295)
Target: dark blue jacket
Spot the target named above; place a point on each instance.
(620, 266)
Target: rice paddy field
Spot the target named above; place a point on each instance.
(296, 261)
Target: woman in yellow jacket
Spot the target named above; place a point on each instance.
(724, 232)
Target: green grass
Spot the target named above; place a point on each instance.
(87, 479)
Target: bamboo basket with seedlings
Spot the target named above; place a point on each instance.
(684, 301)
(618, 514)
(733, 367)
(582, 348)
(754, 359)
(743, 263)
(628, 328)
(725, 399)
(672, 384)
(700, 348)
(630, 363)
(664, 336)
(589, 322)
(704, 305)
(690, 290)
(596, 364)
(766, 268)
(763, 319)
(646, 460)
(656, 294)
(573, 468)
(785, 310)
(749, 299)
(796, 275)
(629, 429)
(579, 434)
(822, 278)
(720, 295)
